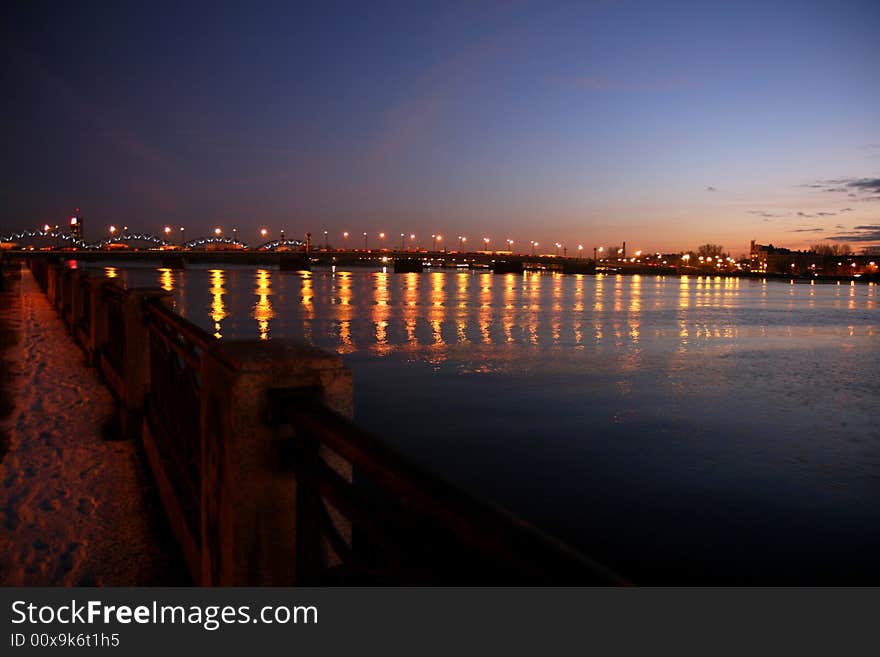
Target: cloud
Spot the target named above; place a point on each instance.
(816, 214)
(846, 210)
(711, 189)
(763, 213)
(867, 189)
(871, 185)
(807, 230)
(863, 233)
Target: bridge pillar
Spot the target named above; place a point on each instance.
(248, 495)
(507, 267)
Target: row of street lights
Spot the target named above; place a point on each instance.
(436, 239)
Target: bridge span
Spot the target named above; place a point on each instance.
(298, 258)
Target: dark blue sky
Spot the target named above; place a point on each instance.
(666, 124)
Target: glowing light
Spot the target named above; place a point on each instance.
(217, 231)
(112, 229)
(263, 232)
(167, 230)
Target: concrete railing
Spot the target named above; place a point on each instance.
(263, 476)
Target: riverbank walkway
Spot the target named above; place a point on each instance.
(76, 506)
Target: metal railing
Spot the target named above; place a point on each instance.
(409, 526)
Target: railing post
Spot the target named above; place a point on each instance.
(249, 498)
(97, 334)
(136, 357)
(52, 282)
(75, 301)
(69, 283)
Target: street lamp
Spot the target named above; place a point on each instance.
(580, 250)
(534, 244)
(439, 239)
(365, 240)
(434, 243)
(558, 246)
(167, 231)
(509, 244)
(345, 239)
(326, 241)
(263, 233)
(486, 242)
(182, 235)
(412, 240)
(112, 230)
(381, 241)
(402, 239)
(235, 233)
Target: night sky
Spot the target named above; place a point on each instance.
(665, 124)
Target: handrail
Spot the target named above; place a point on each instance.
(491, 538)
(159, 314)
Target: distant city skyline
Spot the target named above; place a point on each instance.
(667, 125)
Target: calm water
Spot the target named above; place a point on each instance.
(693, 429)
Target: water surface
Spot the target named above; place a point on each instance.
(679, 429)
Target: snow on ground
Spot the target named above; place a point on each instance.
(75, 508)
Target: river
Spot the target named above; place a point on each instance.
(681, 430)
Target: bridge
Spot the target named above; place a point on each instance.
(56, 239)
(134, 247)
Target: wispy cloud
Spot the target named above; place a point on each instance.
(871, 185)
(763, 213)
(807, 230)
(865, 189)
(711, 189)
(863, 233)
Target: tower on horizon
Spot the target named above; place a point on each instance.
(76, 226)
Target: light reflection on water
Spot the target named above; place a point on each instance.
(712, 420)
